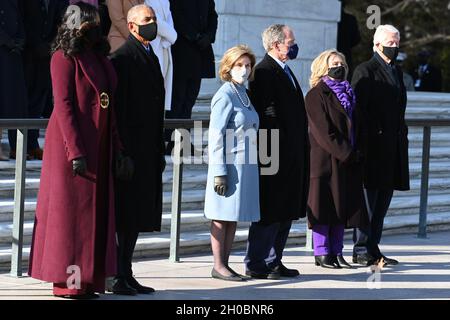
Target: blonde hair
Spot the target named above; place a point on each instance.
(231, 56)
(319, 66)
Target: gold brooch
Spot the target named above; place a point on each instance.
(104, 100)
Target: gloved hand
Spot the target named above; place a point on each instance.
(124, 167)
(203, 41)
(270, 111)
(16, 45)
(354, 157)
(220, 185)
(79, 166)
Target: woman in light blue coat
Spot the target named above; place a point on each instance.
(232, 189)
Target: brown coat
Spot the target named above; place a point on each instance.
(336, 185)
(118, 10)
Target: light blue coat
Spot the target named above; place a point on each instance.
(232, 152)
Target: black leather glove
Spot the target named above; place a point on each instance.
(124, 167)
(220, 185)
(270, 111)
(16, 45)
(354, 157)
(79, 166)
(203, 41)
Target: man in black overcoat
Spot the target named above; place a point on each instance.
(41, 20)
(381, 99)
(278, 99)
(193, 58)
(13, 94)
(140, 118)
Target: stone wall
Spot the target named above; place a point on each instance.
(242, 21)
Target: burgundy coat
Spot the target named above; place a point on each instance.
(65, 230)
(336, 184)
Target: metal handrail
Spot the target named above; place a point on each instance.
(23, 125)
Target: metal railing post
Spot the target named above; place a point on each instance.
(176, 199)
(424, 182)
(19, 203)
(309, 246)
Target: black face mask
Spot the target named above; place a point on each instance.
(391, 52)
(94, 35)
(337, 73)
(148, 31)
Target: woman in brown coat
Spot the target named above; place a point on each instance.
(336, 199)
(118, 10)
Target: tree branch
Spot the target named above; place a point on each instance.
(425, 40)
(401, 6)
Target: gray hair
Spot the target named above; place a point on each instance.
(133, 13)
(273, 34)
(380, 33)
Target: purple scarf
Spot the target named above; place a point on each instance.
(344, 92)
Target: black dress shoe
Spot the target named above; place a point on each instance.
(132, 282)
(285, 272)
(232, 277)
(85, 296)
(122, 287)
(389, 261)
(364, 259)
(237, 274)
(326, 261)
(270, 274)
(342, 263)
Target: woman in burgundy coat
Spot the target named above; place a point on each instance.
(336, 199)
(74, 233)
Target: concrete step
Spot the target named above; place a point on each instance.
(441, 139)
(437, 169)
(191, 200)
(158, 244)
(408, 204)
(191, 221)
(403, 203)
(192, 180)
(436, 154)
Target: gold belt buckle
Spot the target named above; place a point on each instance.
(104, 100)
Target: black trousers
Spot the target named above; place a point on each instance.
(366, 241)
(265, 245)
(185, 91)
(127, 242)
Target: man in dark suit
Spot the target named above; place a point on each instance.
(140, 120)
(12, 83)
(41, 19)
(348, 35)
(278, 99)
(381, 99)
(426, 76)
(193, 58)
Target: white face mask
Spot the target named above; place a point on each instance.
(240, 74)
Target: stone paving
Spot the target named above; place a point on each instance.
(423, 273)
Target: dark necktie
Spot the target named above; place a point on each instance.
(286, 70)
(46, 2)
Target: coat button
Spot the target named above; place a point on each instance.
(380, 131)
